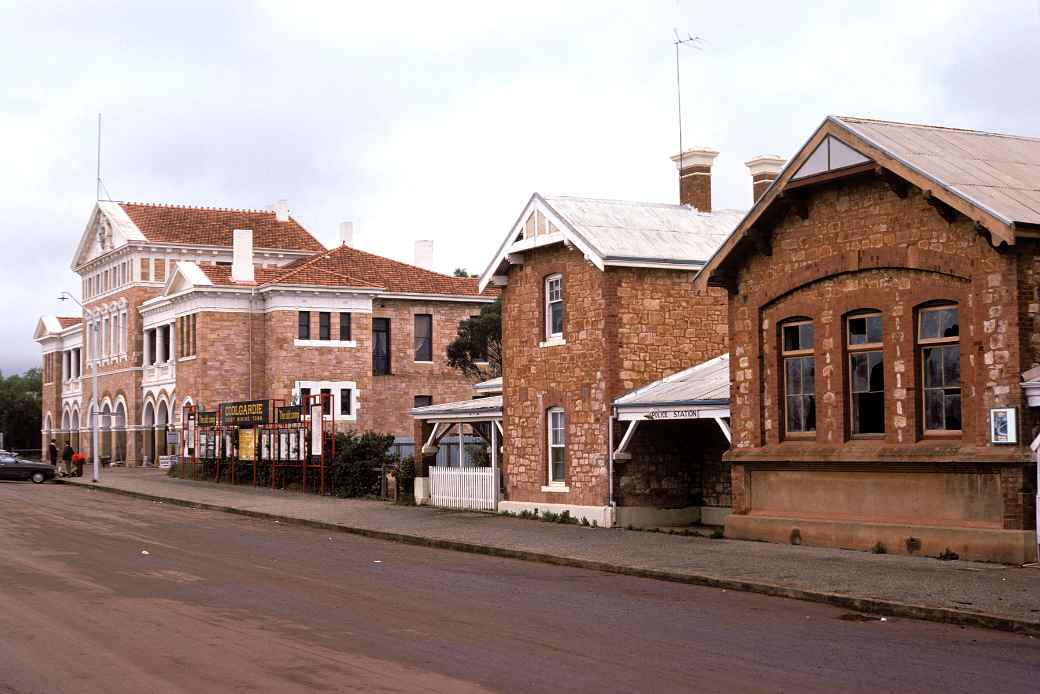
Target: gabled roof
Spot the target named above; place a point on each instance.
(991, 179)
(706, 383)
(211, 226)
(376, 271)
(50, 326)
(617, 232)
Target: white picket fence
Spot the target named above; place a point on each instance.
(470, 488)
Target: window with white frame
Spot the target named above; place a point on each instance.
(554, 307)
(557, 425)
(938, 336)
(799, 384)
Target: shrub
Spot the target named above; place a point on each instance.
(879, 548)
(404, 470)
(359, 460)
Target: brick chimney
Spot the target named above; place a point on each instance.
(281, 211)
(694, 166)
(764, 169)
(242, 256)
(346, 233)
(424, 254)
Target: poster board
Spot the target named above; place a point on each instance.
(247, 444)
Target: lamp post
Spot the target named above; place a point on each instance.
(93, 388)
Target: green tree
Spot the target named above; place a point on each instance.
(477, 349)
(461, 272)
(20, 404)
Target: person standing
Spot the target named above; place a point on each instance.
(66, 460)
(52, 453)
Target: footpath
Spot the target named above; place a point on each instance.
(958, 592)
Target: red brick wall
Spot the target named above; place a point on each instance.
(863, 247)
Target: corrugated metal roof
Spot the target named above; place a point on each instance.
(706, 383)
(646, 231)
(492, 384)
(1000, 173)
(464, 408)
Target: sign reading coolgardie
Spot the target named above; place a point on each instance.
(244, 414)
(206, 419)
(293, 414)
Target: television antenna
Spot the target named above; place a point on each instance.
(693, 42)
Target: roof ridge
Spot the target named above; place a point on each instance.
(205, 208)
(308, 263)
(644, 203)
(855, 119)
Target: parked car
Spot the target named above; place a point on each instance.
(14, 468)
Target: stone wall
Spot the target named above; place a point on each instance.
(864, 247)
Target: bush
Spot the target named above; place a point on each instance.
(359, 460)
(404, 470)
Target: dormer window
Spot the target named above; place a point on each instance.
(554, 307)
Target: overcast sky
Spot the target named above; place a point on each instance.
(438, 120)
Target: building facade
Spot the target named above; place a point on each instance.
(882, 306)
(598, 300)
(201, 306)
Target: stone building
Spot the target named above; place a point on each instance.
(884, 298)
(597, 301)
(201, 306)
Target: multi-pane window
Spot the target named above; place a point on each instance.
(326, 401)
(554, 306)
(324, 325)
(344, 401)
(799, 377)
(380, 346)
(866, 374)
(423, 337)
(557, 424)
(939, 339)
(344, 326)
(303, 323)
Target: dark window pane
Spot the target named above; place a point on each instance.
(810, 413)
(809, 374)
(951, 365)
(344, 326)
(380, 346)
(860, 372)
(423, 337)
(326, 401)
(794, 413)
(806, 335)
(857, 331)
(324, 326)
(794, 376)
(933, 370)
(344, 401)
(305, 396)
(877, 372)
(304, 325)
(930, 323)
(422, 401)
(868, 413)
(873, 329)
(934, 417)
(790, 338)
(953, 409)
(556, 320)
(950, 323)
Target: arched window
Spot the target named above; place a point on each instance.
(799, 376)
(866, 374)
(938, 336)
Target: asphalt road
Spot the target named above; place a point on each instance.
(103, 593)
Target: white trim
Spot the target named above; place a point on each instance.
(603, 515)
(466, 298)
(556, 488)
(556, 277)
(554, 342)
(561, 483)
(297, 342)
(334, 387)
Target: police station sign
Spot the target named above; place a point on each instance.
(672, 414)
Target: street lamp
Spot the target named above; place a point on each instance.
(94, 344)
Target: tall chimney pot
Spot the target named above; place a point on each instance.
(346, 233)
(424, 254)
(694, 166)
(281, 211)
(242, 256)
(764, 169)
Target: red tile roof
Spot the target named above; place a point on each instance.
(346, 265)
(220, 275)
(208, 226)
(69, 321)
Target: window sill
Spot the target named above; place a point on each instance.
(553, 342)
(324, 343)
(422, 361)
(557, 488)
(191, 358)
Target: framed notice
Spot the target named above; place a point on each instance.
(265, 445)
(247, 444)
(1003, 425)
(283, 445)
(316, 422)
(203, 445)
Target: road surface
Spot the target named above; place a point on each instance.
(104, 593)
